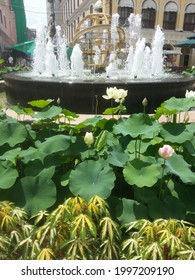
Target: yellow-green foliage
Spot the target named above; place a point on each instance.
(85, 230)
(160, 240)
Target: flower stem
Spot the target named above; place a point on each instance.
(162, 190)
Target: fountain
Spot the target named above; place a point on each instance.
(80, 85)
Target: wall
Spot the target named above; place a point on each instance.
(7, 26)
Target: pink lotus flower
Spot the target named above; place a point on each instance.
(166, 152)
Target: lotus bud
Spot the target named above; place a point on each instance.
(88, 139)
(58, 101)
(145, 102)
(71, 132)
(166, 152)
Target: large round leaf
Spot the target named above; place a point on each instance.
(181, 104)
(170, 207)
(141, 174)
(128, 210)
(90, 178)
(37, 193)
(54, 144)
(117, 156)
(12, 133)
(175, 133)
(8, 177)
(138, 124)
(178, 166)
(11, 155)
(48, 113)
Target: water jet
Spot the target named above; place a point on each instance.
(99, 46)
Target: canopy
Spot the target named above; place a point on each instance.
(26, 47)
(189, 43)
(191, 37)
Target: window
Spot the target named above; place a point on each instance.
(91, 9)
(125, 8)
(189, 18)
(1, 16)
(148, 14)
(170, 16)
(5, 23)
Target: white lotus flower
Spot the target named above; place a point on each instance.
(121, 95)
(190, 94)
(117, 94)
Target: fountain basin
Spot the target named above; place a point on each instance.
(85, 96)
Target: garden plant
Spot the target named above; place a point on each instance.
(105, 188)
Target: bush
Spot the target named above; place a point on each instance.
(77, 230)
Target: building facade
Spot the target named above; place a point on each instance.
(176, 18)
(7, 26)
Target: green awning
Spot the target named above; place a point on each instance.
(189, 43)
(20, 18)
(26, 47)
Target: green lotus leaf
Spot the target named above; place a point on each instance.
(190, 146)
(31, 154)
(36, 193)
(130, 210)
(191, 128)
(138, 146)
(144, 194)
(111, 111)
(40, 103)
(136, 125)
(182, 104)
(36, 167)
(178, 166)
(118, 157)
(90, 178)
(20, 110)
(12, 132)
(186, 194)
(54, 144)
(48, 113)
(101, 140)
(11, 155)
(8, 177)
(92, 121)
(141, 174)
(65, 178)
(68, 114)
(170, 207)
(156, 140)
(175, 133)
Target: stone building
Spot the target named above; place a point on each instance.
(7, 26)
(176, 18)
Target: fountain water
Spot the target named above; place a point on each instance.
(143, 73)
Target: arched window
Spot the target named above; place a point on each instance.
(189, 18)
(125, 8)
(91, 9)
(170, 16)
(148, 14)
